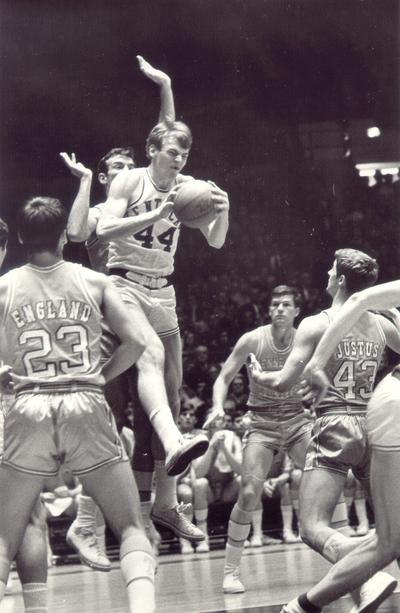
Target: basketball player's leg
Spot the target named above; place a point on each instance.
(114, 490)
(153, 397)
(19, 494)
(31, 561)
(256, 463)
(374, 553)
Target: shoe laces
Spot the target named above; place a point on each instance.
(183, 508)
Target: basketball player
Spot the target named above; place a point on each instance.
(382, 547)
(339, 440)
(138, 221)
(50, 315)
(82, 225)
(30, 559)
(276, 420)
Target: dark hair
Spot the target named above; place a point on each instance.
(3, 233)
(127, 151)
(287, 290)
(163, 129)
(41, 221)
(358, 268)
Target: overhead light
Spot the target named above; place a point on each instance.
(370, 172)
(389, 171)
(373, 132)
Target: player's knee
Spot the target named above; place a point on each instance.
(250, 492)
(200, 488)
(185, 493)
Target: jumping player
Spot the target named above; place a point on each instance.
(138, 221)
(82, 225)
(50, 316)
(277, 420)
(339, 440)
(383, 431)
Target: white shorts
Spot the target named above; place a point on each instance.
(383, 415)
(159, 305)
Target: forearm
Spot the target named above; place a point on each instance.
(77, 225)
(167, 108)
(220, 392)
(109, 228)
(126, 354)
(217, 230)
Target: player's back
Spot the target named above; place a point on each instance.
(50, 325)
(353, 366)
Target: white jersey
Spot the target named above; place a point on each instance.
(151, 251)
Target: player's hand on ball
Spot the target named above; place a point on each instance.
(220, 198)
(76, 168)
(158, 76)
(166, 208)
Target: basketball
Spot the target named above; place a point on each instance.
(193, 204)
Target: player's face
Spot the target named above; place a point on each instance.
(117, 163)
(171, 158)
(283, 310)
(333, 284)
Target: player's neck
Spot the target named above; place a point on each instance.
(43, 259)
(162, 180)
(339, 299)
(282, 336)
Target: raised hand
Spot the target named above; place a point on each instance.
(76, 168)
(154, 74)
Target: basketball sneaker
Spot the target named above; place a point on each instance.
(374, 591)
(176, 520)
(203, 547)
(292, 607)
(186, 547)
(178, 460)
(231, 583)
(84, 541)
(256, 541)
(290, 537)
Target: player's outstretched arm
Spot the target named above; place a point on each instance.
(245, 345)
(217, 229)
(384, 296)
(167, 106)
(133, 341)
(79, 226)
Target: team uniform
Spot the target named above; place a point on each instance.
(275, 419)
(50, 336)
(141, 264)
(339, 439)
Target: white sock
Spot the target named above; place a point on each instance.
(137, 568)
(86, 515)
(256, 522)
(165, 494)
(35, 597)
(287, 517)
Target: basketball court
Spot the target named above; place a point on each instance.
(192, 584)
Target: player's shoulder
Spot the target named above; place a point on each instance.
(126, 181)
(314, 324)
(251, 337)
(90, 275)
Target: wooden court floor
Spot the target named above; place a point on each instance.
(192, 584)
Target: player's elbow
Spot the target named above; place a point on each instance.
(77, 235)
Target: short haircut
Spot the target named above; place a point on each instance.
(163, 129)
(3, 233)
(41, 221)
(127, 151)
(287, 290)
(358, 268)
